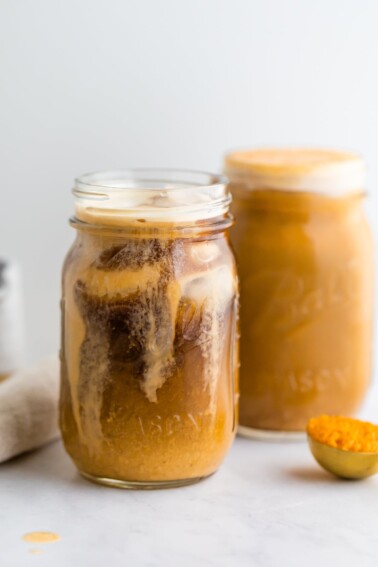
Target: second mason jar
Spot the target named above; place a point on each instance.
(149, 340)
(305, 260)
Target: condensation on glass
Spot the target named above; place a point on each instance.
(149, 357)
(305, 260)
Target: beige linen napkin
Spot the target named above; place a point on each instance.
(29, 408)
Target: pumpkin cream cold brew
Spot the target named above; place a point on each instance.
(149, 357)
(305, 261)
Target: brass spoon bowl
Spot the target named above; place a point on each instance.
(344, 464)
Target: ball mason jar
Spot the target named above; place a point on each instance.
(305, 261)
(149, 356)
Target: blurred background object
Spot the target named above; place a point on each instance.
(89, 85)
(11, 319)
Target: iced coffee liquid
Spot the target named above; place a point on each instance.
(305, 260)
(148, 353)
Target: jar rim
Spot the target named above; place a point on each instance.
(153, 195)
(151, 179)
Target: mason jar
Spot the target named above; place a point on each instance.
(12, 341)
(305, 260)
(149, 356)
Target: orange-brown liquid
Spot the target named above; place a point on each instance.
(305, 265)
(148, 355)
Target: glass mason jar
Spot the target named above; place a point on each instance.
(305, 261)
(149, 340)
(11, 319)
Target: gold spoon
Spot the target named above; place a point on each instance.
(345, 464)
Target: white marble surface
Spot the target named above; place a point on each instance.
(269, 505)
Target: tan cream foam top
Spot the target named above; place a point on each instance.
(159, 196)
(328, 172)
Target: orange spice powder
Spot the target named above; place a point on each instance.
(344, 433)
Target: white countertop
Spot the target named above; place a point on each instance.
(269, 505)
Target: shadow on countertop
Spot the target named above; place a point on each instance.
(49, 463)
(314, 475)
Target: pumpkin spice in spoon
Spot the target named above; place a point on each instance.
(344, 446)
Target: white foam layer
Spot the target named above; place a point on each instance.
(109, 198)
(330, 179)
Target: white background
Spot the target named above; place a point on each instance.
(95, 84)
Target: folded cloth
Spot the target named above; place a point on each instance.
(29, 408)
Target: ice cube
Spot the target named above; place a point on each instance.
(218, 284)
(204, 252)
